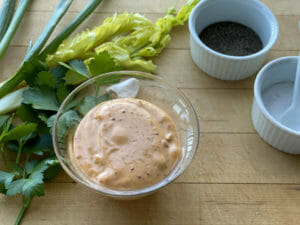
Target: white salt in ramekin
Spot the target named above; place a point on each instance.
(251, 13)
(274, 75)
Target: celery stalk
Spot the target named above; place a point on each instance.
(75, 47)
(5, 15)
(13, 26)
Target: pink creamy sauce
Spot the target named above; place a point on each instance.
(126, 144)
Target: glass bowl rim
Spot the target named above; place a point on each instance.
(138, 192)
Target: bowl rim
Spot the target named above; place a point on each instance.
(143, 191)
(264, 50)
(258, 97)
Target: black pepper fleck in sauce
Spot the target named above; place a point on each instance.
(231, 38)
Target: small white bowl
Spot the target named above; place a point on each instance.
(251, 13)
(273, 91)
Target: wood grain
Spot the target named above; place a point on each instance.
(235, 177)
(235, 158)
(178, 204)
(290, 7)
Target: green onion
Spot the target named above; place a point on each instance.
(13, 26)
(18, 77)
(90, 7)
(12, 101)
(5, 15)
(58, 13)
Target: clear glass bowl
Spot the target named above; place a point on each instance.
(152, 89)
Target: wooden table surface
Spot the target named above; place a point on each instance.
(235, 177)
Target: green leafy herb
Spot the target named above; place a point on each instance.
(79, 67)
(89, 102)
(6, 178)
(67, 121)
(62, 92)
(3, 120)
(15, 187)
(77, 72)
(42, 99)
(59, 73)
(102, 63)
(29, 166)
(45, 78)
(40, 145)
(21, 133)
(74, 78)
(26, 113)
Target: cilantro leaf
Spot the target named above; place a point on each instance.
(51, 172)
(102, 63)
(33, 185)
(67, 121)
(32, 67)
(109, 80)
(5, 127)
(59, 73)
(43, 117)
(77, 72)
(39, 146)
(43, 99)
(15, 187)
(21, 133)
(29, 166)
(71, 104)
(50, 121)
(89, 102)
(74, 78)
(79, 67)
(6, 178)
(3, 119)
(28, 114)
(16, 168)
(46, 78)
(62, 92)
(25, 113)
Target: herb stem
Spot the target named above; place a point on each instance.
(3, 153)
(19, 153)
(25, 206)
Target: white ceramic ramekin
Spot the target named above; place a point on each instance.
(251, 13)
(273, 90)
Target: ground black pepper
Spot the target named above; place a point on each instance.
(231, 38)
